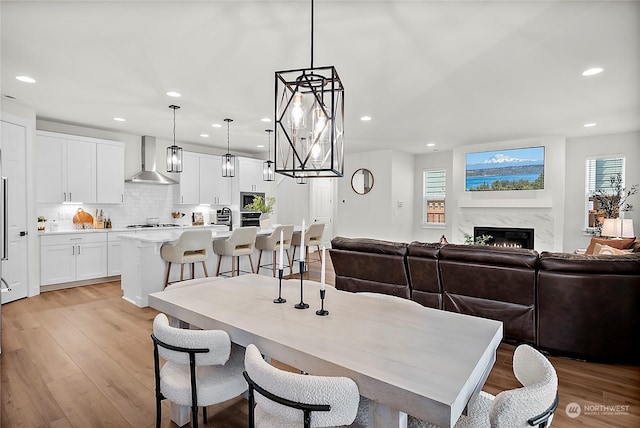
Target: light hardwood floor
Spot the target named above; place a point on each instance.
(82, 357)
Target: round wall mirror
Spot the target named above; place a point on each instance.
(362, 181)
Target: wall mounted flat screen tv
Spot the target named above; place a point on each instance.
(512, 169)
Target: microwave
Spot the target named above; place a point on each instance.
(247, 197)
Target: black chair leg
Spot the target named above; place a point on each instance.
(194, 416)
(158, 412)
(204, 414)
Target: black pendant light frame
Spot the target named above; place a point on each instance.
(268, 167)
(174, 153)
(228, 160)
(316, 148)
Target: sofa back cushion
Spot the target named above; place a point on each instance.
(492, 282)
(588, 306)
(362, 264)
(422, 262)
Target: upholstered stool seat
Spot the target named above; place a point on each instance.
(241, 243)
(192, 247)
(312, 237)
(272, 243)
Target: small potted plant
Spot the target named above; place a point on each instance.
(263, 206)
(41, 221)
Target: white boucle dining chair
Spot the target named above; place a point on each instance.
(312, 237)
(531, 405)
(202, 367)
(282, 399)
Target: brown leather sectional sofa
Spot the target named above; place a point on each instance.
(581, 306)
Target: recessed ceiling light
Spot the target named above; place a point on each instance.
(260, 146)
(216, 125)
(174, 94)
(26, 79)
(265, 119)
(592, 71)
(204, 135)
(365, 118)
(431, 144)
(589, 125)
(119, 119)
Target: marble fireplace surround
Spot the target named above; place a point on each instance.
(540, 219)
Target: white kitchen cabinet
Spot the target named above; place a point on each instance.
(50, 167)
(201, 181)
(189, 179)
(72, 257)
(71, 168)
(214, 188)
(109, 173)
(250, 173)
(114, 252)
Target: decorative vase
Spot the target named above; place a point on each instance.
(41, 226)
(265, 221)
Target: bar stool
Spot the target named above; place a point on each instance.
(191, 247)
(272, 243)
(241, 243)
(312, 236)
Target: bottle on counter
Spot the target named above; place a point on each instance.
(108, 223)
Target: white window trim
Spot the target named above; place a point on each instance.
(590, 231)
(424, 223)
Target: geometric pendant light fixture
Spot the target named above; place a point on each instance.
(268, 169)
(174, 153)
(228, 160)
(309, 117)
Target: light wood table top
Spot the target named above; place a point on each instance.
(421, 361)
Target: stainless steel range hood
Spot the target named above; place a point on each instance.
(148, 157)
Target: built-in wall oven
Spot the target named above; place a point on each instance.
(249, 218)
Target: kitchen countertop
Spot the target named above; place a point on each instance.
(132, 229)
(165, 235)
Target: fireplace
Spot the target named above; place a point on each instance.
(506, 236)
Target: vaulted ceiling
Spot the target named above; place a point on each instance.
(442, 72)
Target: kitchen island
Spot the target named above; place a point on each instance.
(144, 270)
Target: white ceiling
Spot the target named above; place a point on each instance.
(447, 72)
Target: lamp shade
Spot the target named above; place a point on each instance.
(617, 228)
(174, 159)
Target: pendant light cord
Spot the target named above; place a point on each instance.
(174, 127)
(312, 33)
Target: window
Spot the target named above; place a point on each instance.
(433, 191)
(598, 178)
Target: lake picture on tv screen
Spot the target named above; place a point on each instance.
(513, 169)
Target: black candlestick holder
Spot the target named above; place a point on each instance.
(279, 299)
(322, 312)
(302, 304)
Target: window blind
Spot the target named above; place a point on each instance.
(600, 171)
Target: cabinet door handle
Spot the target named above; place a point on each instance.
(181, 199)
(64, 196)
(70, 198)
(122, 197)
(73, 250)
(5, 218)
(78, 249)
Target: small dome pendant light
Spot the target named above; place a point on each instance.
(228, 160)
(268, 167)
(174, 153)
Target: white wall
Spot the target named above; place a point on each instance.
(578, 150)
(402, 193)
(433, 160)
(542, 210)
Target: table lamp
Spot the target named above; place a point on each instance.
(617, 228)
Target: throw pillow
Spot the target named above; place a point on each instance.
(620, 244)
(605, 249)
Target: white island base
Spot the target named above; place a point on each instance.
(144, 271)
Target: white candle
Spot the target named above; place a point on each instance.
(322, 274)
(302, 253)
(281, 265)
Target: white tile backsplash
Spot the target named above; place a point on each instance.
(141, 201)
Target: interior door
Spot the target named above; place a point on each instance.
(15, 267)
(322, 206)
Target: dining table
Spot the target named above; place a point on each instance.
(405, 358)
